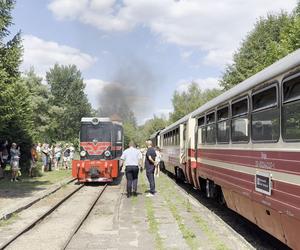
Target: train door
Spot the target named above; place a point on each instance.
(182, 147)
(190, 168)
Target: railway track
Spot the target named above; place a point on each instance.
(58, 216)
(251, 233)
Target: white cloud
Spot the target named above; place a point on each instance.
(206, 83)
(44, 54)
(215, 27)
(93, 90)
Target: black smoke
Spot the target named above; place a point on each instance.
(129, 91)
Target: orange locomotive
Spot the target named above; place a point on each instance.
(101, 146)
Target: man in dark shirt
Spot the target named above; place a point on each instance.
(150, 167)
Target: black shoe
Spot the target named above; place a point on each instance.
(128, 195)
(134, 194)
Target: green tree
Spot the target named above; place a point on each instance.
(259, 49)
(15, 110)
(67, 89)
(39, 102)
(191, 99)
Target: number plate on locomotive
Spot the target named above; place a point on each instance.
(263, 182)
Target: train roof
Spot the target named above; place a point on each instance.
(99, 119)
(288, 62)
(155, 134)
(283, 65)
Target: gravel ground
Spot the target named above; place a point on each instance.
(166, 221)
(52, 232)
(169, 220)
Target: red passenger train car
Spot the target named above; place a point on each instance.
(101, 146)
(243, 148)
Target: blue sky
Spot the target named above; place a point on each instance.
(174, 42)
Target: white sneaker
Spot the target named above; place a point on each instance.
(149, 195)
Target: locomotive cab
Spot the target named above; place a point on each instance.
(101, 145)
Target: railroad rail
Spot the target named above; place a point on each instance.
(80, 223)
(48, 212)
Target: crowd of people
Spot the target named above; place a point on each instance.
(51, 157)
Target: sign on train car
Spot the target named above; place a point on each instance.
(263, 182)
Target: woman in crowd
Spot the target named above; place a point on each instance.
(14, 161)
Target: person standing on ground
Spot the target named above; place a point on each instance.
(150, 167)
(14, 161)
(131, 158)
(66, 159)
(33, 160)
(57, 153)
(72, 152)
(45, 156)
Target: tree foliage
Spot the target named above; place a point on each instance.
(191, 99)
(15, 118)
(68, 103)
(272, 38)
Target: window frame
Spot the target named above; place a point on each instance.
(288, 78)
(238, 100)
(247, 114)
(223, 120)
(200, 127)
(253, 93)
(211, 124)
(283, 103)
(266, 108)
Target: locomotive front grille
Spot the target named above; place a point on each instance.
(94, 172)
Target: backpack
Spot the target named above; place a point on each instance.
(67, 153)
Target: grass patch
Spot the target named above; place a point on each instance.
(27, 183)
(187, 234)
(153, 223)
(203, 224)
(9, 221)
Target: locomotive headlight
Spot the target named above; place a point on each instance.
(107, 153)
(82, 153)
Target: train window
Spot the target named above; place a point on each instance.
(223, 125)
(223, 131)
(210, 118)
(210, 128)
(265, 125)
(291, 109)
(173, 137)
(264, 99)
(240, 107)
(222, 114)
(240, 121)
(201, 121)
(291, 89)
(119, 135)
(265, 116)
(211, 134)
(201, 130)
(240, 129)
(291, 121)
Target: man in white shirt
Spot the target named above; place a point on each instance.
(131, 158)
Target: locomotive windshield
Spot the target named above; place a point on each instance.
(100, 132)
